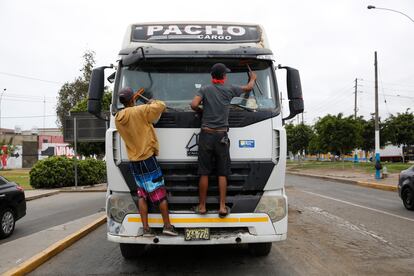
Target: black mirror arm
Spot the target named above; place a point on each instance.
(100, 117)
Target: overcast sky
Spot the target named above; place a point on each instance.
(331, 42)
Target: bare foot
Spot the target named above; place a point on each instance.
(201, 210)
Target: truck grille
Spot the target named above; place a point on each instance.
(244, 185)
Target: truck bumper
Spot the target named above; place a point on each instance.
(236, 228)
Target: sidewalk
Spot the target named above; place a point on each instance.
(20, 251)
(38, 193)
(350, 176)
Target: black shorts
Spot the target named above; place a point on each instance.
(213, 153)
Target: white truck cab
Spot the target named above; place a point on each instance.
(171, 61)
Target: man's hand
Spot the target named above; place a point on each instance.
(137, 94)
(249, 86)
(252, 76)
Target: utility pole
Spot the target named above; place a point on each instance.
(356, 159)
(75, 138)
(356, 98)
(377, 130)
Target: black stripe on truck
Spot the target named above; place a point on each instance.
(193, 119)
(245, 184)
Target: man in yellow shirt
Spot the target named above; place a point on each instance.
(135, 125)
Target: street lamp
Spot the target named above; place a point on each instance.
(373, 7)
(1, 96)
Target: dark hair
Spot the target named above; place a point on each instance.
(219, 70)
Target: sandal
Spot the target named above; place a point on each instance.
(223, 215)
(196, 209)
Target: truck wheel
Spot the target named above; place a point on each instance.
(131, 251)
(408, 198)
(7, 222)
(260, 249)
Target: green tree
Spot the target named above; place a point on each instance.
(298, 137)
(73, 92)
(289, 135)
(368, 134)
(83, 104)
(400, 129)
(338, 134)
(314, 145)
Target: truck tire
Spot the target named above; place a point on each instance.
(408, 198)
(7, 222)
(132, 251)
(260, 249)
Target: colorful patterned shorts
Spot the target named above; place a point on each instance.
(155, 197)
(148, 177)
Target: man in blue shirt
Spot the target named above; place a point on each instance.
(214, 144)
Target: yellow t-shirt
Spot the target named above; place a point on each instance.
(135, 125)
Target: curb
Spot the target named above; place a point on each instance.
(82, 191)
(378, 186)
(40, 258)
(29, 198)
(349, 181)
(41, 195)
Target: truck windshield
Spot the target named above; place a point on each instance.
(177, 81)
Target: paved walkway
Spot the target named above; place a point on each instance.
(38, 193)
(350, 176)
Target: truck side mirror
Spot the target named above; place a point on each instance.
(96, 91)
(294, 90)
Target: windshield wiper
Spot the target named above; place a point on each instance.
(256, 82)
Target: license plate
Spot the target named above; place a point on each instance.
(192, 234)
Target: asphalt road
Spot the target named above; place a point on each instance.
(47, 212)
(334, 228)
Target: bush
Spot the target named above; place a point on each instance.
(58, 171)
(91, 171)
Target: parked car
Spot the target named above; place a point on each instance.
(406, 187)
(12, 206)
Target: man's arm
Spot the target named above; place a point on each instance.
(154, 109)
(195, 103)
(249, 86)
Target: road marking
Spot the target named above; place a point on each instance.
(346, 224)
(360, 206)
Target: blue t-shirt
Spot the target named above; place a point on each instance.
(216, 104)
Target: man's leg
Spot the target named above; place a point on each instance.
(222, 152)
(168, 229)
(143, 211)
(222, 190)
(205, 165)
(203, 186)
(164, 213)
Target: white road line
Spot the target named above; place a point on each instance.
(357, 205)
(346, 224)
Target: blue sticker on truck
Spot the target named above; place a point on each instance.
(246, 143)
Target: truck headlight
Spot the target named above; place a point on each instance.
(274, 206)
(119, 205)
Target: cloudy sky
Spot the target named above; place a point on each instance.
(331, 42)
